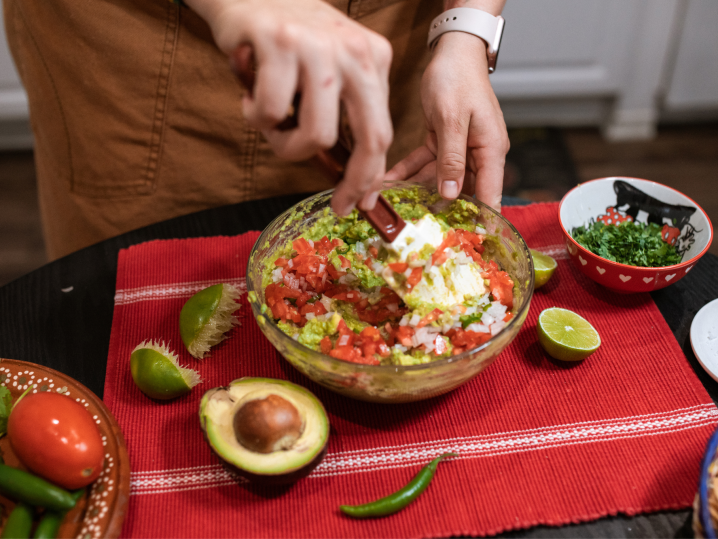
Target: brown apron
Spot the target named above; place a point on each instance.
(137, 117)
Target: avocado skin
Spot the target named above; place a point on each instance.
(277, 479)
(285, 478)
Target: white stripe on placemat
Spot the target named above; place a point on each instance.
(171, 291)
(473, 447)
(186, 290)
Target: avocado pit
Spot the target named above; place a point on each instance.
(267, 425)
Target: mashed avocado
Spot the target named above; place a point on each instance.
(400, 323)
(315, 330)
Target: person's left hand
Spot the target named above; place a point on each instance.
(467, 142)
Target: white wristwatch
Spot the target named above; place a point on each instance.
(472, 21)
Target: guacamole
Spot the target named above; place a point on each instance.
(338, 289)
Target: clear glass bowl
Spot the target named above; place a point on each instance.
(390, 383)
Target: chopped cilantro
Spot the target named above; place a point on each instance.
(634, 244)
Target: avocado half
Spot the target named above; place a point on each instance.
(268, 431)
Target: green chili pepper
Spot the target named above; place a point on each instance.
(401, 498)
(25, 487)
(19, 522)
(50, 522)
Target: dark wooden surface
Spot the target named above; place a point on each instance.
(60, 315)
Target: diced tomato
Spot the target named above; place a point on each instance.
(500, 284)
(316, 308)
(440, 256)
(399, 267)
(303, 298)
(373, 251)
(324, 246)
(414, 278)
(508, 317)
(302, 246)
(281, 262)
(337, 242)
(463, 340)
(345, 262)
(429, 318)
(334, 273)
(404, 334)
(325, 345)
(350, 296)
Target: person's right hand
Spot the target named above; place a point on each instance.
(311, 48)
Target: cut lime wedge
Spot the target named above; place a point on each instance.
(566, 336)
(544, 266)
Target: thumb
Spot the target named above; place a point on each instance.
(451, 161)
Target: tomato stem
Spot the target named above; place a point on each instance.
(21, 396)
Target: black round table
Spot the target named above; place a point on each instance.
(60, 316)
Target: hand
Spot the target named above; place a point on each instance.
(467, 142)
(311, 48)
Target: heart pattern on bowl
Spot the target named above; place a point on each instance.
(688, 269)
(625, 278)
(583, 262)
(600, 270)
(669, 277)
(571, 248)
(647, 279)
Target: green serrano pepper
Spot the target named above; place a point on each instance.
(19, 522)
(50, 522)
(401, 498)
(32, 490)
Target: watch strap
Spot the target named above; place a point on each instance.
(471, 21)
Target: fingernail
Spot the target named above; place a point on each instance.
(450, 189)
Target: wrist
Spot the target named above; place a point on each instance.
(476, 23)
(465, 45)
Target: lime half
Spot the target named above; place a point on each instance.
(544, 266)
(157, 372)
(566, 336)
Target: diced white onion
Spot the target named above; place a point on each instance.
(393, 307)
(309, 316)
(343, 340)
(498, 326)
(322, 267)
(415, 320)
(407, 273)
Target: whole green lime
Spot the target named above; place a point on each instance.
(156, 371)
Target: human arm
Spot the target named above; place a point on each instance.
(466, 144)
(311, 48)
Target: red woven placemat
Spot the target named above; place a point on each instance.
(623, 431)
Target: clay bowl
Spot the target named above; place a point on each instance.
(614, 199)
(101, 511)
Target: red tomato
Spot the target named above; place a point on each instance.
(56, 438)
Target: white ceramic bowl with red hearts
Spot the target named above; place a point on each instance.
(615, 199)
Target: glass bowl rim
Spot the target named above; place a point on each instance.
(395, 368)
